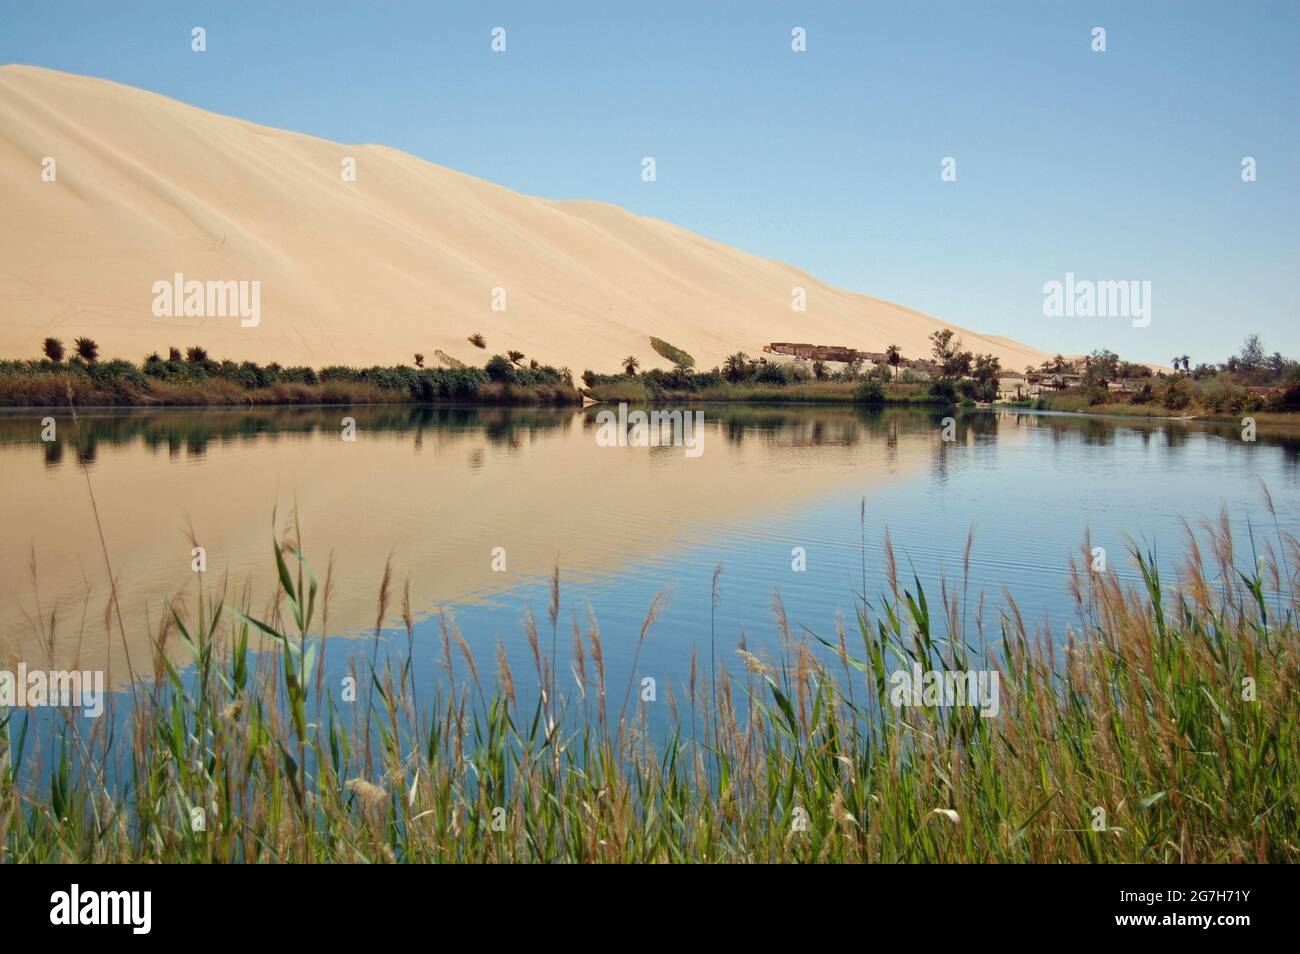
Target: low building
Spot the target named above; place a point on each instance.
(1013, 386)
(812, 352)
(841, 353)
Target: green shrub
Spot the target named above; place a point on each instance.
(870, 391)
(298, 375)
(1222, 396)
(1177, 395)
(500, 369)
(674, 354)
(111, 374)
(942, 390)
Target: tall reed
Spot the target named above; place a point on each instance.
(1162, 728)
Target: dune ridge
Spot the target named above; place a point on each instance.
(403, 259)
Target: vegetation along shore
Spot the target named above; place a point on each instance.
(193, 378)
(1251, 382)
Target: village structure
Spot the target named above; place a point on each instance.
(1012, 385)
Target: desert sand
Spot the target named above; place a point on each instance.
(403, 259)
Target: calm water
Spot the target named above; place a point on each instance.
(436, 491)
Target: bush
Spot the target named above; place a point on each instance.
(336, 372)
(1223, 396)
(942, 390)
(297, 375)
(1289, 399)
(170, 370)
(676, 355)
(113, 373)
(1177, 395)
(247, 374)
(870, 391)
(500, 370)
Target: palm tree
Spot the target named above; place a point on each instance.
(86, 350)
(734, 367)
(515, 356)
(53, 349)
(819, 369)
(1187, 363)
(477, 340)
(893, 355)
(173, 353)
(419, 360)
(630, 364)
(196, 355)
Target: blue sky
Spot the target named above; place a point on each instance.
(1117, 165)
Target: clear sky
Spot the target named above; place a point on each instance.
(1122, 165)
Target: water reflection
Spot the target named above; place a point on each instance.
(193, 431)
(438, 489)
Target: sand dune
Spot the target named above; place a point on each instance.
(403, 259)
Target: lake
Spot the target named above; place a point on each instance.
(475, 508)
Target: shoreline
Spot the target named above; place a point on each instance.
(179, 386)
(1275, 418)
(200, 382)
(1106, 411)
